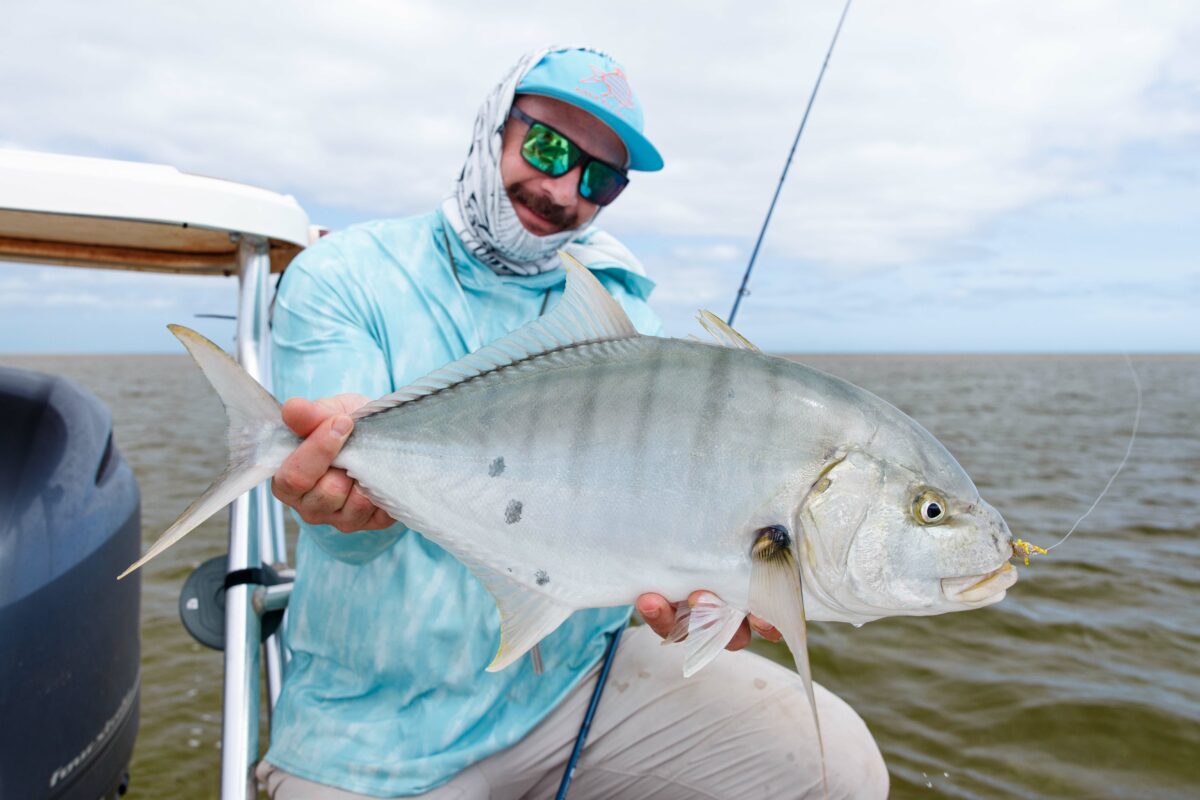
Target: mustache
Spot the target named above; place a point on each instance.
(541, 205)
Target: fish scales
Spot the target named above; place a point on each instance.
(649, 405)
(422, 459)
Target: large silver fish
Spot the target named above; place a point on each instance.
(577, 464)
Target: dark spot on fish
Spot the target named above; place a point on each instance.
(731, 394)
(496, 467)
(541, 577)
(513, 512)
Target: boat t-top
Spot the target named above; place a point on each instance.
(69, 505)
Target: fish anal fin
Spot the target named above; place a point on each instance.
(777, 597)
(526, 616)
(723, 333)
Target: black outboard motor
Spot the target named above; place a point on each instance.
(69, 638)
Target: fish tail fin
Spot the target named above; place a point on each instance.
(258, 440)
(776, 595)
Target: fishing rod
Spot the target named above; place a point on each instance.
(611, 649)
(742, 290)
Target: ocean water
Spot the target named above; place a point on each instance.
(1084, 682)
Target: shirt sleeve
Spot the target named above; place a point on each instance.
(323, 345)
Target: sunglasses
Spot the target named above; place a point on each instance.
(553, 154)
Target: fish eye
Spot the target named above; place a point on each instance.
(930, 508)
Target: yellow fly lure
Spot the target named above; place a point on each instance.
(1024, 549)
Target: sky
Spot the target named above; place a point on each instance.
(975, 177)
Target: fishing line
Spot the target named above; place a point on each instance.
(1137, 416)
(742, 290)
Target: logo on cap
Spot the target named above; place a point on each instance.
(614, 85)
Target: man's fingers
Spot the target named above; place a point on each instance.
(356, 513)
(764, 628)
(303, 416)
(741, 638)
(306, 480)
(327, 497)
(379, 520)
(658, 612)
(301, 470)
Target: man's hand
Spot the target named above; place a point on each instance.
(305, 481)
(659, 614)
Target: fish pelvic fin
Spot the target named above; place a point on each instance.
(776, 596)
(257, 438)
(704, 628)
(586, 313)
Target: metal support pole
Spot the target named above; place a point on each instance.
(269, 516)
(239, 730)
(271, 546)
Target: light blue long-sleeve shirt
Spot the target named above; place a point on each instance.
(386, 692)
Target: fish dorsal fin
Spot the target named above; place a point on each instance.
(586, 313)
(725, 335)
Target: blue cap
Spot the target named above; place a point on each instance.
(597, 84)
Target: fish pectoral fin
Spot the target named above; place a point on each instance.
(723, 333)
(526, 616)
(777, 597)
(711, 623)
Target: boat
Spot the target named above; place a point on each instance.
(69, 503)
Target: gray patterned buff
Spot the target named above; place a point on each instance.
(479, 209)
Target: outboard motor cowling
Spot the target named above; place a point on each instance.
(69, 637)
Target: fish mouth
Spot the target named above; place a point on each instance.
(980, 589)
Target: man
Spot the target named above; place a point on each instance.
(386, 693)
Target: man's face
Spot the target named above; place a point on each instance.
(547, 205)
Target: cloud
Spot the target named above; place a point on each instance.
(948, 137)
(935, 118)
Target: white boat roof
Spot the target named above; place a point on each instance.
(94, 212)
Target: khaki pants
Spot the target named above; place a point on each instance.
(739, 728)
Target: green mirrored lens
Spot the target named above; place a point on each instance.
(549, 151)
(600, 183)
